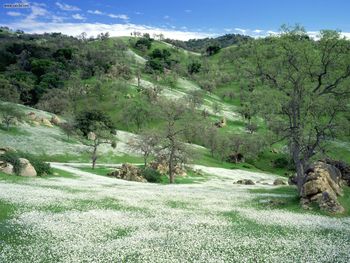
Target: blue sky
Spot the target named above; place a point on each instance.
(177, 19)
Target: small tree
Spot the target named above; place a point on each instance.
(147, 144)
(69, 128)
(173, 113)
(95, 138)
(9, 114)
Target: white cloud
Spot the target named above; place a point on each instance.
(95, 12)
(98, 12)
(11, 13)
(188, 11)
(166, 17)
(241, 30)
(121, 16)
(138, 13)
(78, 17)
(37, 11)
(93, 29)
(66, 7)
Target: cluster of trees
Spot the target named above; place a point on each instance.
(35, 68)
(201, 45)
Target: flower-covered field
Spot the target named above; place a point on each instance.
(83, 217)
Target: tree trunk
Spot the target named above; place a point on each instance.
(171, 168)
(94, 156)
(299, 166)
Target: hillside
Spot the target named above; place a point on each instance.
(155, 152)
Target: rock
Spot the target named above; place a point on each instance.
(55, 120)
(221, 123)
(6, 168)
(26, 168)
(31, 116)
(46, 122)
(322, 186)
(6, 149)
(343, 168)
(161, 165)
(279, 181)
(36, 123)
(128, 172)
(245, 182)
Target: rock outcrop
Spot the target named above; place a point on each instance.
(6, 168)
(26, 168)
(128, 172)
(343, 168)
(161, 165)
(245, 182)
(322, 186)
(279, 181)
(55, 120)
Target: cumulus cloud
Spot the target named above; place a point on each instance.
(78, 17)
(93, 29)
(98, 12)
(66, 7)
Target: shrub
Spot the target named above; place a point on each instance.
(39, 165)
(42, 168)
(151, 175)
(281, 162)
(12, 158)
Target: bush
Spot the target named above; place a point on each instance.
(151, 175)
(39, 165)
(281, 162)
(42, 168)
(12, 158)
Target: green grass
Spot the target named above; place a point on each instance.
(291, 203)
(98, 170)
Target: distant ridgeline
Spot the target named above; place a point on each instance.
(200, 45)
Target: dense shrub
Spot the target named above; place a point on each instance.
(151, 175)
(281, 162)
(12, 158)
(42, 168)
(39, 165)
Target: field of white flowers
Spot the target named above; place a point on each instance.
(91, 218)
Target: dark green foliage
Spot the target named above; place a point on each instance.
(281, 162)
(12, 158)
(63, 54)
(151, 175)
(199, 45)
(194, 67)
(159, 59)
(143, 43)
(212, 50)
(86, 121)
(42, 168)
(40, 66)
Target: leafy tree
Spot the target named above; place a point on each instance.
(99, 135)
(137, 112)
(147, 144)
(194, 67)
(175, 151)
(304, 84)
(88, 120)
(212, 50)
(9, 114)
(8, 91)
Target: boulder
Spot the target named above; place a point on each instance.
(55, 120)
(31, 116)
(26, 168)
(343, 167)
(128, 172)
(6, 149)
(279, 181)
(245, 182)
(161, 165)
(91, 136)
(322, 186)
(46, 122)
(6, 168)
(36, 123)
